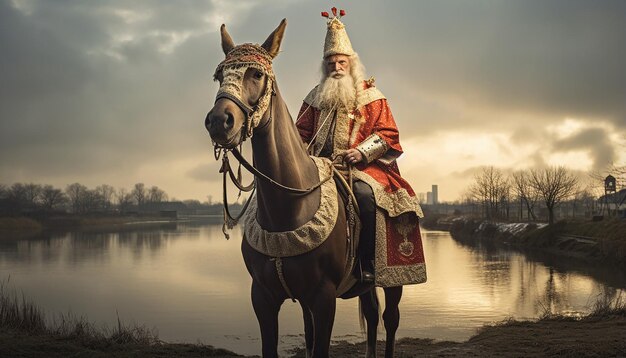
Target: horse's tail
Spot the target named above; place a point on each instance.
(374, 299)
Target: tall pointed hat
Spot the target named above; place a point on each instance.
(337, 41)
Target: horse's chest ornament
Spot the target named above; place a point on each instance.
(305, 238)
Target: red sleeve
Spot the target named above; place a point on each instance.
(384, 125)
(306, 122)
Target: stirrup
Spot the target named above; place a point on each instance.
(367, 277)
(366, 274)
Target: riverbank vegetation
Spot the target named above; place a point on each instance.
(44, 201)
(26, 331)
(27, 208)
(602, 241)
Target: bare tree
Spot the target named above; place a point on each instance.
(491, 188)
(139, 193)
(124, 199)
(554, 185)
(16, 196)
(52, 198)
(106, 193)
(156, 195)
(32, 192)
(76, 195)
(525, 192)
(91, 201)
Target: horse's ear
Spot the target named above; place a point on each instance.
(227, 41)
(272, 44)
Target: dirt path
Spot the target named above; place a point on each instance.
(591, 337)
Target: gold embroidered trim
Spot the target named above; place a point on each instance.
(303, 239)
(234, 68)
(233, 81)
(391, 276)
(358, 121)
(322, 133)
(396, 203)
(368, 96)
(343, 138)
(342, 132)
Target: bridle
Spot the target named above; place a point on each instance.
(237, 62)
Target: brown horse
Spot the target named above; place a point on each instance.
(246, 85)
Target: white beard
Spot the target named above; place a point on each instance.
(333, 92)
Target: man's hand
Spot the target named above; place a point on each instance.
(352, 156)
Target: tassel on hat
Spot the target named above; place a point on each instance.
(337, 41)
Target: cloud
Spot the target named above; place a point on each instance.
(462, 65)
(595, 141)
(205, 172)
(104, 89)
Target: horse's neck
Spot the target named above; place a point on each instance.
(279, 154)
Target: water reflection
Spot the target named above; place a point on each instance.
(189, 282)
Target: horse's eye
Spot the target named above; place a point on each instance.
(258, 75)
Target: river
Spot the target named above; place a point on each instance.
(188, 282)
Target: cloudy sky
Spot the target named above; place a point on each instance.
(116, 91)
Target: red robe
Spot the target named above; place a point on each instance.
(397, 262)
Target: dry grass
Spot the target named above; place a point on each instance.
(609, 304)
(611, 234)
(18, 223)
(19, 314)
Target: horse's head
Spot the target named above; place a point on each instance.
(246, 86)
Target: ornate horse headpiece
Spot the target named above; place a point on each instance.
(233, 68)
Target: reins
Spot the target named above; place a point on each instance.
(226, 169)
(237, 61)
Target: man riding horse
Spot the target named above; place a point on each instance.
(296, 243)
(346, 115)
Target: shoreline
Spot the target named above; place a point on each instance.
(602, 243)
(598, 334)
(20, 228)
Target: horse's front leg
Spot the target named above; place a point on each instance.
(370, 309)
(391, 317)
(308, 329)
(266, 309)
(323, 309)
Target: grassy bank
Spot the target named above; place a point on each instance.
(609, 237)
(600, 334)
(25, 331)
(19, 224)
(26, 227)
(603, 241)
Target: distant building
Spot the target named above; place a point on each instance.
(435, 194)
(613, 203)
(421, 197)
(429, 198)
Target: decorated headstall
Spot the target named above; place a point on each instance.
(233, 69)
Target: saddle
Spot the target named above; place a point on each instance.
(312, 234)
